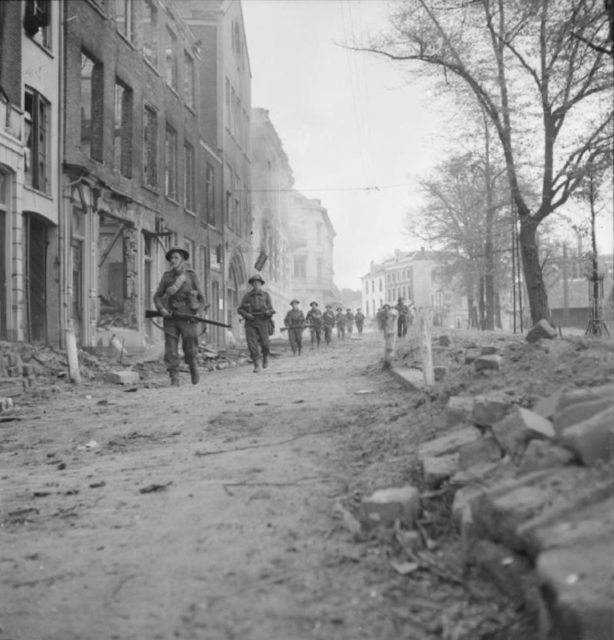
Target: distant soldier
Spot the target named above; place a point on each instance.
(179, 291)
(314, 320)
(328, 323)
(295, 323)
(379, 316)
(257, 310)
(359, 318)
(349, 321)
(340, 323)
(403, 317)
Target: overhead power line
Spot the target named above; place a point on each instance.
(372, 188)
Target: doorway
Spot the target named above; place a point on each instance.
(36, 278)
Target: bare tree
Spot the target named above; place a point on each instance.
(545, 89)
(465, 195)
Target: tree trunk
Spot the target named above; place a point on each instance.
(489, 259)
(536, 290)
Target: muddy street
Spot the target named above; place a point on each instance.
(212, 511)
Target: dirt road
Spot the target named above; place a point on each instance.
(209, 511)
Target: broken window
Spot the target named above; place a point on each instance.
(117, 273)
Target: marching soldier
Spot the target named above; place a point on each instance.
(340, 321)
(360, 321)
(314, 319)
(295, 323)
(349, 321)
(257, 310)
(328, 322)
(179, 291)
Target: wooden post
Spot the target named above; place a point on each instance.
(390, 332)
(425, 349)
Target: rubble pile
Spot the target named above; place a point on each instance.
(529, 464)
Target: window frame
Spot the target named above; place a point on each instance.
(150, 147)
(170, 163)
(152, 57)
(189, 177)
(40, 114)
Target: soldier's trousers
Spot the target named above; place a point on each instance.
(173, 330)
(296, 339)
(315, 336)
(341, 332)
(328, 333)
(359, 326)
(257, 336)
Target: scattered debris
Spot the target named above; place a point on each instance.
(155, 487)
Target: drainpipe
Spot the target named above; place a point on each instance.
(62, 252)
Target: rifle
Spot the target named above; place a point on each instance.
(150, 313)
(300, 326)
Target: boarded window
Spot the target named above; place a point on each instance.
(150, 36)
(150, 143)
(117, 273)
(122, 130)
(170, 163)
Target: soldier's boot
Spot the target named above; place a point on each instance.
(256, 365)
(194, 373)
(174, 379)
(265, 360)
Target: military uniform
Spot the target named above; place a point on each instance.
(340, 322)
(179, 291)
(314, 319)
(403, 321)
(359, 318)
(349, 321)
(295, 323)
(328, 322)
(257, 310)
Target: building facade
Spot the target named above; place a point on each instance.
(131, 139)
(30, 90)
(225, 108)
(311, 246)
(420, 277)
(272, 197)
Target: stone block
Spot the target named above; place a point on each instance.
(412, 379)
(444, 341)
(459, 409)
(572, 414)
(500, 512)
(484, 363)
(450, 443)
(518, 428)
(580, 521)
(579, 589)
(471, 355)
(121, 377)
(548, 406)
(387, 506)
(593, 439)
(482, 451)
(436, 470)
(585, 394)
(543, 329)
(489, 409)
(543, 454)
(489, 350)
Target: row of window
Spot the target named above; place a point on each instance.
(381, 285)
(399, 276)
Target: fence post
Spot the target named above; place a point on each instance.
(425, 348)
(390, 332)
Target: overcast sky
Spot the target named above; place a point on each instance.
(348, 122)
(358, 133)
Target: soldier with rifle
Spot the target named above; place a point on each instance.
(179, 294)
(295, 324)
(257, 310)
(314, 319)
(328, 323)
